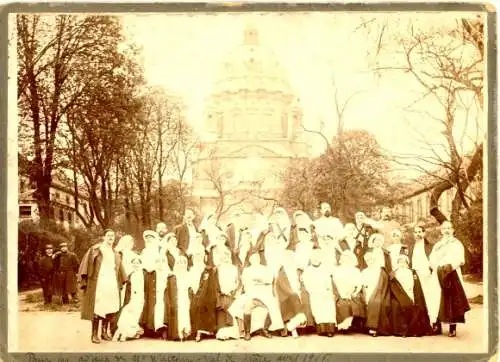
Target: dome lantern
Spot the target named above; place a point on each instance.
(251, 36)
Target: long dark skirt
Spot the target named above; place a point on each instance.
(454, 302)
(204, 304)
(224, 319)
(147, 316)
(378, 307)
(290, 303)
(344, 309)
(409, 317)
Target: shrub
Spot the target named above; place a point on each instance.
(469, 230)
(32, 239)
(31, 242)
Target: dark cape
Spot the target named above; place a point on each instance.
(290, 303)
(148, 312)
(89, 272)
(454, 301)
(204, 302)
(409, 318)
(378, 307)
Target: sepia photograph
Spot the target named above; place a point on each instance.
(248, 182)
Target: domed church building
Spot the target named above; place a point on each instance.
(252, 126)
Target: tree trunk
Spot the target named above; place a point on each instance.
(472, 170)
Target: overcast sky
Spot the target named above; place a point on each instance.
(183, 53)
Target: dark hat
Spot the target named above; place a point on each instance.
(49, 246)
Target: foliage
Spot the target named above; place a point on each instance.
(64, 62)
(32, 239)
(129, 222)
(350, 175)
(469, 230)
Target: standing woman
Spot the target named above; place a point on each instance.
(177, 311)
(376, 293)
(420, 252)
(318, 282)
(446, 258)
(348, 283)
(228, 285)
(102, 276)
(203, 295)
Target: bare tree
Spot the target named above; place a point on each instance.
(232, 187)
(448, 65)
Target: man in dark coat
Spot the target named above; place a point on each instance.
(97, 307)
(66, 268)
(186, 231)
(45, 273)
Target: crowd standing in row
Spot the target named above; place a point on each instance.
(275, 276)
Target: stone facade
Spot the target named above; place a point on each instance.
(253, 122)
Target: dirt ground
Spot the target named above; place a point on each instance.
(61, 330)
(46, 331)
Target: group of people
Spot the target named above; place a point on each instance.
(275, 275)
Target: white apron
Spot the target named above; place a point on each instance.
(429, 281)
(318, 283)
(107, 295)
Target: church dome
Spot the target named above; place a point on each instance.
(252, 67)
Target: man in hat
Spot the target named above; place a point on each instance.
(186, 231)
(66, 266)
(45, 269)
